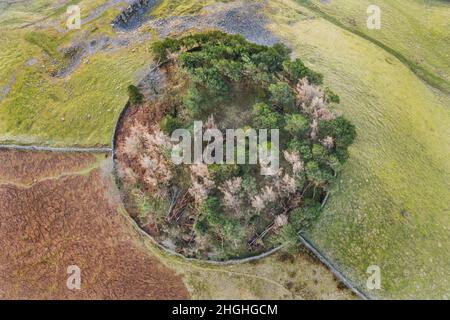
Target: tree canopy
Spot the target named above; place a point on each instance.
(233, 210)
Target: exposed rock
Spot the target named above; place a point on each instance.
(153, 83)
(133, 15)
(5, 91)
(236, 17)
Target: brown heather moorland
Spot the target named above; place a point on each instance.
(56, 210)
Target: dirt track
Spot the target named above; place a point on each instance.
(66, 221)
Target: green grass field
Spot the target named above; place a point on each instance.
(391, 207)
(415, 31)
(80, 109)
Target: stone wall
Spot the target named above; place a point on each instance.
(133, 12)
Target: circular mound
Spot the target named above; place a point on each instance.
(228, 148)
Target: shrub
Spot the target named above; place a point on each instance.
(302, 217)
(318, 151)
(201, 225)
(282, 50)
(136, 97)
(331, 97)
(296, 124)
(271, 59)
(302, 147)
(315, 78)
(334, 163)
(249, 185)
(212, 210)
(230, 69)
(265, 117)
(282, 96)
(169, 124)
(342, 131)
(160, 49)
(220, 173)
(314, 173)
(232, 229)
(149, 205)
(211, 80)
(194, 101)
(296, 70)
(288, 234)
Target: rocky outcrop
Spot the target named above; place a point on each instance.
(132, 16)
(237, 17)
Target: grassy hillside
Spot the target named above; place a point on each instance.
(179, 7)
(20, 14)
(415, 31)
(391, 207)
(79, 109)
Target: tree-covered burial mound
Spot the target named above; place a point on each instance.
(222, 211)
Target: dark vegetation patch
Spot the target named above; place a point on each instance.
(220, 211)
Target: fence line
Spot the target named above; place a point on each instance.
(333, 269)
